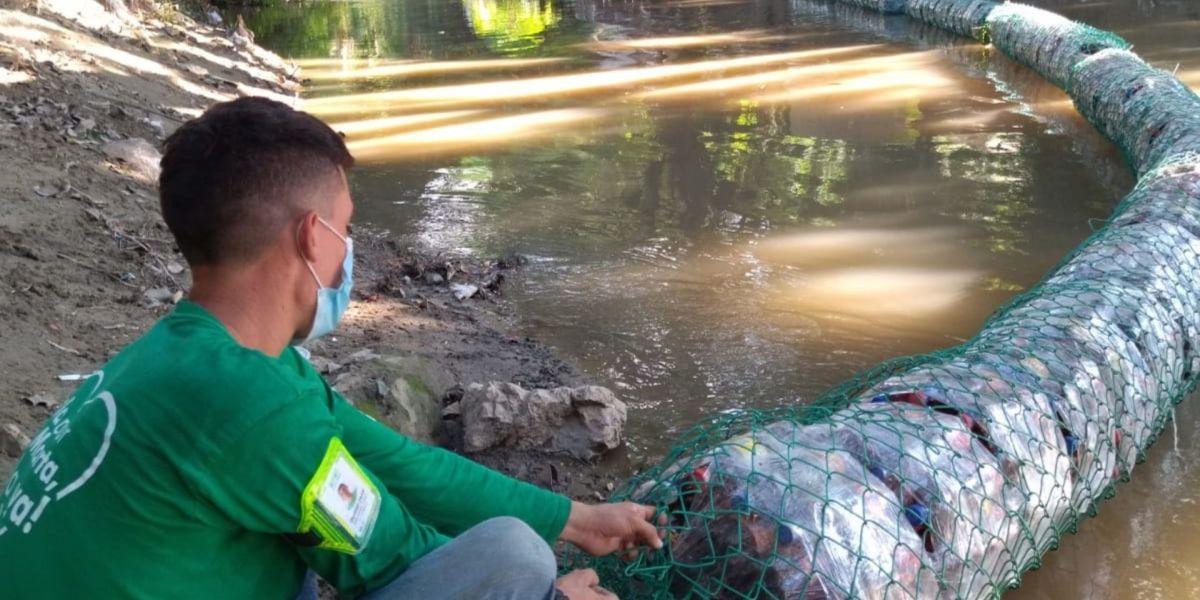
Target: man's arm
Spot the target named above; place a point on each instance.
(287, 474)
(444, 489)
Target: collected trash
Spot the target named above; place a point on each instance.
(948, 475)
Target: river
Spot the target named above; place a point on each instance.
(732, 203)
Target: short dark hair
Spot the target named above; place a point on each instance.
(234, 176)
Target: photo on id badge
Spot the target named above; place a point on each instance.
(348, 497)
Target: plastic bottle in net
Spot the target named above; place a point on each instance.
(1046, 42)
(964, 17)
(782, 512)
(952, 488)
(1014, 420)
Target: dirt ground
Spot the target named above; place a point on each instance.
(86, 264)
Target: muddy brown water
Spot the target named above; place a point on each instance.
(736, 204)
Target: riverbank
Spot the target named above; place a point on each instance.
(86, 98)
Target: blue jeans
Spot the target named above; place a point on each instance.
(499, 559)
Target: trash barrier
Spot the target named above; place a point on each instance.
(965, 17)
(887, 7)
(948, 475)
(1048, 43)
(1147, 112)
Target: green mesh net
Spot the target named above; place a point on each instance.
(964, 17)
(887, 7)
(948, 475)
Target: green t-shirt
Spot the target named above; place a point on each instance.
(190, 466)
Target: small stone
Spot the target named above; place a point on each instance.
(324, 365)
(141, 156)
(44, 399)
(12, 440)
(156, 126)
(452, 411)
(174, 268)
(462, 291)
(363, 355)
(434, 278)
(155, 297)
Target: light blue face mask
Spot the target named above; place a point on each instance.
(331, 302)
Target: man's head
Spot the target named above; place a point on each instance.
(244, 170)
(253, 186)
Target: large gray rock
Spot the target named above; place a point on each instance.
(401, 391)
(583, 421)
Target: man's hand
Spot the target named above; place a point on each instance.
(601, 529)
(583, 585)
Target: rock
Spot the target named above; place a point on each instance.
(584, 421)
(43, 399)
(462, 291)
(13, 440)
(156, 126)
(452, 411)
(403, 392)
(323, 365)
(141, 156)
(434, 278)
(155, 297)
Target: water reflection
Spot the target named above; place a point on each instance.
(512, 26)
(742, 203)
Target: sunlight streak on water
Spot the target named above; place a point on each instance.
(543, 88)
(471, 135)
(364, 70)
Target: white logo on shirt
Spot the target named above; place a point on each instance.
(36, 483)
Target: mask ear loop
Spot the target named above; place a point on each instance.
(331, 230)
(311, 270)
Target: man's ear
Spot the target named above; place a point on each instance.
(306, 236)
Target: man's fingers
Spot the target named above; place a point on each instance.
(648, 511)
(589, 577)
(604, 593)
(647, 534)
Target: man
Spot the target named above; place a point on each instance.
(209, 460)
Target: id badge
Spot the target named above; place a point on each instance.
(340, 504)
